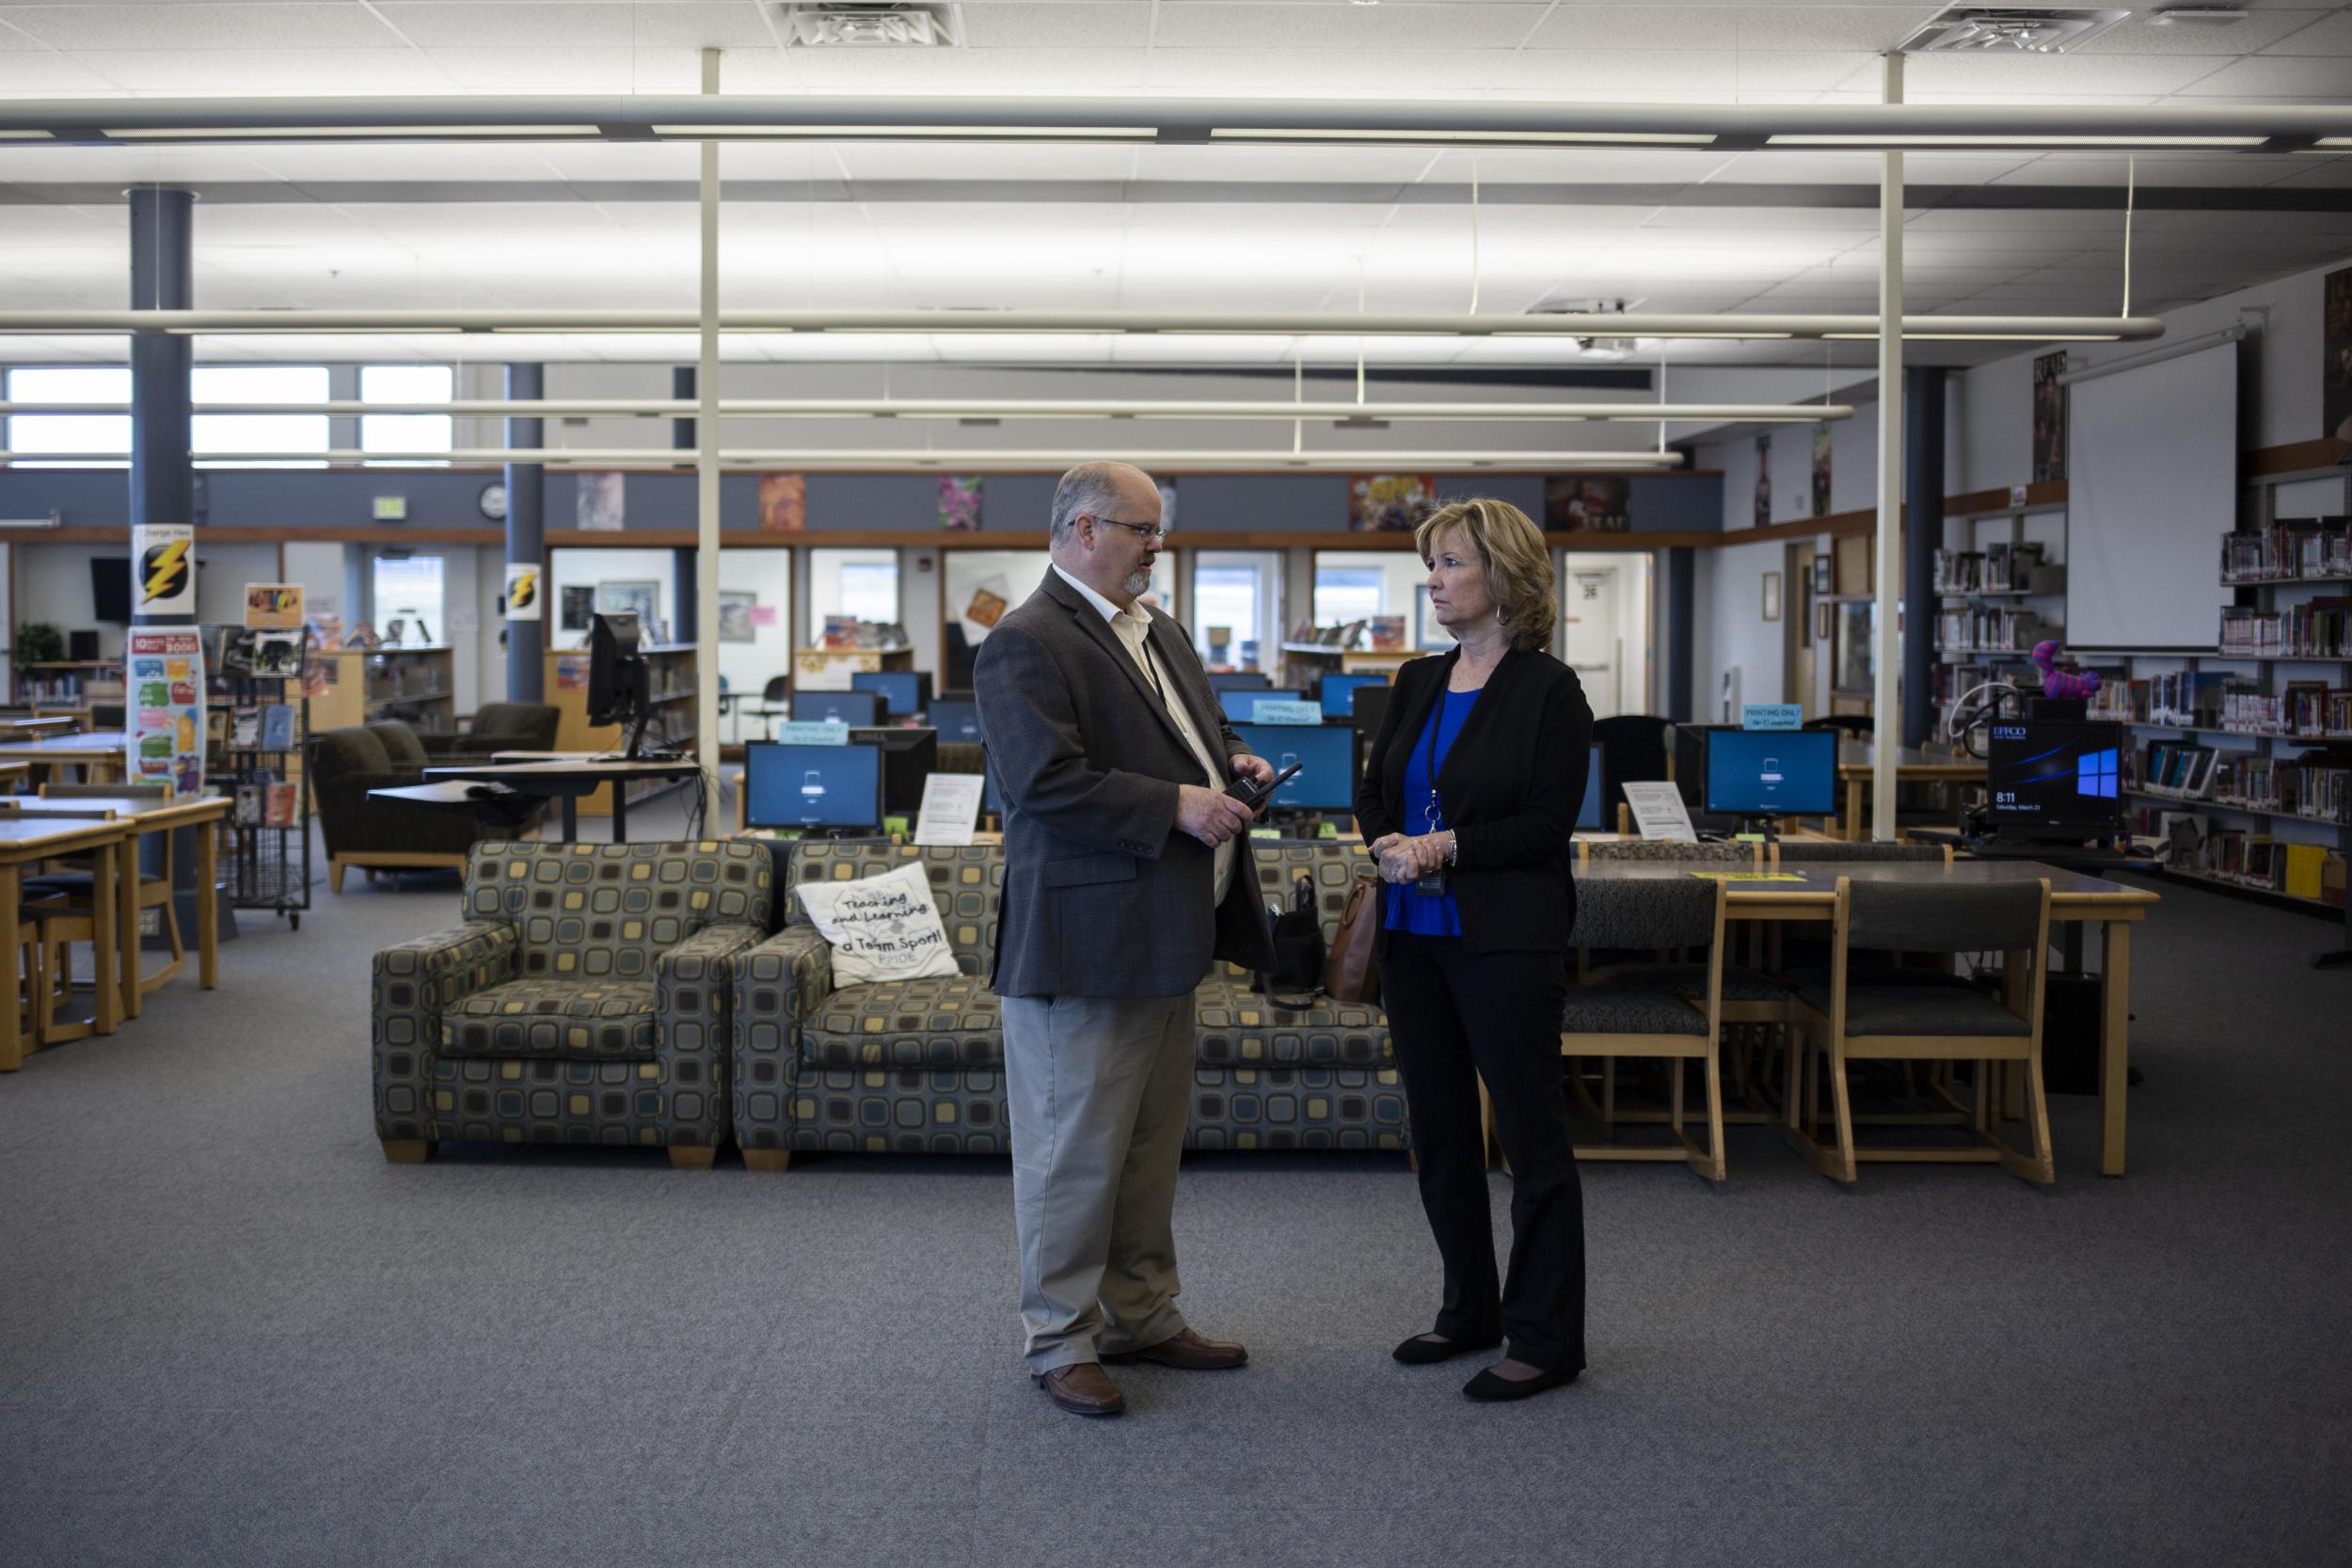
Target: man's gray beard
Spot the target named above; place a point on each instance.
(1138, 585)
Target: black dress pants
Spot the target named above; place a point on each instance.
(1457, 1018)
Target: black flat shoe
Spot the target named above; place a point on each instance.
(1486, 1385)
(1417, 1351)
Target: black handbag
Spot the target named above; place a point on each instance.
(1297, 950)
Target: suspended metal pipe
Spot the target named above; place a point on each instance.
(838, 460)
(994, 408)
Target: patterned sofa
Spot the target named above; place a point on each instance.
(918, 1066)
(587, 998)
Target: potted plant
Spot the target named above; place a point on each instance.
(39, 642)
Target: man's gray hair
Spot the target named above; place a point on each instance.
(1089, 490)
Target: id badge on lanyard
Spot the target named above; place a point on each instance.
(1432, 884)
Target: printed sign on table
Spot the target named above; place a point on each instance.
(164, 707)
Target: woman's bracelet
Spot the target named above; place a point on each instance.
(1453, 847)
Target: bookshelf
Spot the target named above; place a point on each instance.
(417, 685)
(68, 685)
(2246, 751)
(670, 676)
(830, 669)
(2000, 586)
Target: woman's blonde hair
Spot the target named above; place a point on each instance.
(1518, 567)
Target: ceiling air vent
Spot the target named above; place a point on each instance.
(869, 27)
(2012, 29)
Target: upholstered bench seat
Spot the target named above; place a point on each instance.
(943, 1022)
(1238, 1027)
(563, 1021)
(1739, 984)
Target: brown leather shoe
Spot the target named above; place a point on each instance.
(1189, 1352)
(1083, 1388)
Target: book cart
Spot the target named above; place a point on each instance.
(261, 719)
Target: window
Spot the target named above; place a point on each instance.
(214, 435)
(860, 584)
(106, 432)
(407, 431)
(1236, 619)
(2095, 774)
(409, 599)
(1345, 593)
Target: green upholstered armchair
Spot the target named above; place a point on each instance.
(587, 998)
(374, 835)
(498, 727)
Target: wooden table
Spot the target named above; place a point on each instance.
(35, 729)
(25, 840)
(2074, 897)
(567, 776)
(141, 817)
(99, 753)
(1856, 768)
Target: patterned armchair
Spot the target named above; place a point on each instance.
(587, 998)
(918, 1066)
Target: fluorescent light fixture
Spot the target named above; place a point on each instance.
(1980, 337)
(2059, 141)
(1531, 139)
(26, 135)
(2331, 144)
(914, 132)
(348, 133)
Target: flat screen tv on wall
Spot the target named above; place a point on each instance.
(110, 589)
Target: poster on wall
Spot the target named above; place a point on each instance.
(736, 612)
(600, 502)
(522, 591)
(1429, 632)
(1390, 503)
(1821, 469)
(1598, 503)
(783, 504)
(1763, 479)
(2049, 416)
(578, 604)
(163, 706)
(162, 558)
(2335, 348)
(960, 503)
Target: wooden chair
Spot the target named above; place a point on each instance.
(1909, 1017)
(154, 891)
(57, 921)
(1613, 1014)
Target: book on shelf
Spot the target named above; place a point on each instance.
(252, 798)
(2288, 549)
(281, 804)
(278, 727)
(245, 729)
(2321, 628)
(1959, 571)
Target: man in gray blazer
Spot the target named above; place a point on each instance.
(1126, 871)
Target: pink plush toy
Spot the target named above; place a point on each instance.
(2062, 683)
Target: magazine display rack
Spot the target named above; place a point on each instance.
(255, 731)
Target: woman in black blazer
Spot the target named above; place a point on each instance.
(1474, 943)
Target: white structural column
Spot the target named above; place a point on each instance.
(1886, 718)
(707, 484)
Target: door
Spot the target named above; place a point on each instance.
(1796, 616)
(1594, 634)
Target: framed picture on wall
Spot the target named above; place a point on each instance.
(641, 599)
(578, 604)
(1772, 596)
(735, 617)
(1822, 609)
(1821, 576)
(1431, 636)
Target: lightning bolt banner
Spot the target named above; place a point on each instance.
(163, 572)
(524, 594)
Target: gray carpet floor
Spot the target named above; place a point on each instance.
(229, 1333)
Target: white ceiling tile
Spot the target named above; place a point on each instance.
(1108, 25)
(2057, 75)
(1241, 24)
(209, 26)
(2330, 33)
(266, 72)
(1584, 28)
(2328, 173)
(502, 25)
(1324, 73)
(1871, 30)
(1715, 71)
(399, 163)
(571, 68)
(1797, 71)
(700, 25)
(2318, 79)
(984, 71)
(2138, 35)
(40, 74)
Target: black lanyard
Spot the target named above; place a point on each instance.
(1433, 813)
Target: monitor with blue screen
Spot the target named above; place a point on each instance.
(1771, 772)
(905, 691)
(1242, 707)
(1339, 693)
(2057, 781)
(1326, 780)
(1588, 815)
(812, 786)
(836, 708)
(956, 719)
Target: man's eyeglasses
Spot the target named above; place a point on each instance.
(1148, 532)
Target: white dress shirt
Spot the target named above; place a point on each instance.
(1133, 627)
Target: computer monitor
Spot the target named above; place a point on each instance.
(1339, 693)
(1588, 815)
(1371, 705)
(1239, 680)
(1327, 780)
(836, 708)
(1771, 772)
(1690, 763)
(904, 692)
(2055, 780)
(956, 718)
(788, 785)
(909, 758)
(1241, 706)
(617, 681)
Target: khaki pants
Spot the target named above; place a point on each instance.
(1098, 1088)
